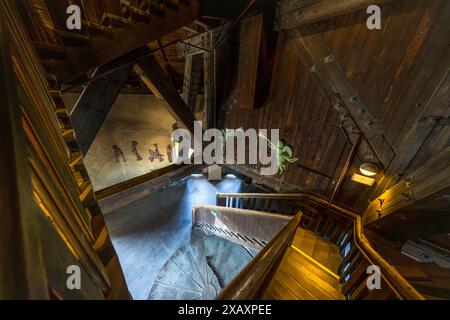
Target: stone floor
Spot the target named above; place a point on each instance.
(140, 118)
(148, 232)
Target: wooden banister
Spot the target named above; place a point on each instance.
(253, 229)
(400, 287)
(253, 280)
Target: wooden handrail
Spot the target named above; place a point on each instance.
(253, 280)
(402, 288)
(249, 228)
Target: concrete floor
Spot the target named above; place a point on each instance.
(148, 232)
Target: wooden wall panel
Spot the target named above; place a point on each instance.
(304, 118)
(389, 68)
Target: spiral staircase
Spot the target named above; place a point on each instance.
(200, 269)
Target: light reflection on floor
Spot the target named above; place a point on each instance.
(147, 232)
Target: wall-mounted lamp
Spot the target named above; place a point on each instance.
(369, 169)
(363, 179)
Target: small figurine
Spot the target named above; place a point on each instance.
(118, 153)
(135, 150)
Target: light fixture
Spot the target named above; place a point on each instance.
(363, 179)
(369, 169)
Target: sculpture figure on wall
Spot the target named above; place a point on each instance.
(135, 150)
(158, 154)
(118, 153)
(169, 153)
(151, 155)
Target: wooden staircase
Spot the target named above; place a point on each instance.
(321, 253)
(109, 30)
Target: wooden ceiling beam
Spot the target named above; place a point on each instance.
(294, 13)
(154, 77)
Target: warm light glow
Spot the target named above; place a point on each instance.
(363, 179)
(369, 169)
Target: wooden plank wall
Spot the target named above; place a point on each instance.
(390, 69)
(62, 230)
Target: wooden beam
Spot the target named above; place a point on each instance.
(256, 56)
(94, 104)
(427, 180)
(151, 73)
(324, 62)
(209, 87)
(195, 45)
(192, 79)
(294, 13)
(129, 191)
(166, 61)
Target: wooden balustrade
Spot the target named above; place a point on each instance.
(336, 224)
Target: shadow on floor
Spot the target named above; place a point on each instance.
(147, 232)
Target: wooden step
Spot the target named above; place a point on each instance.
(172, 5)
(74, 39)
(69, 135)
(115, 21)
(49, 51)
(87, 195)
(76, 159)
(61, 113)
(305, 279)
(52, 81)
(155, 10)
(135, 14)
(99, 30)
